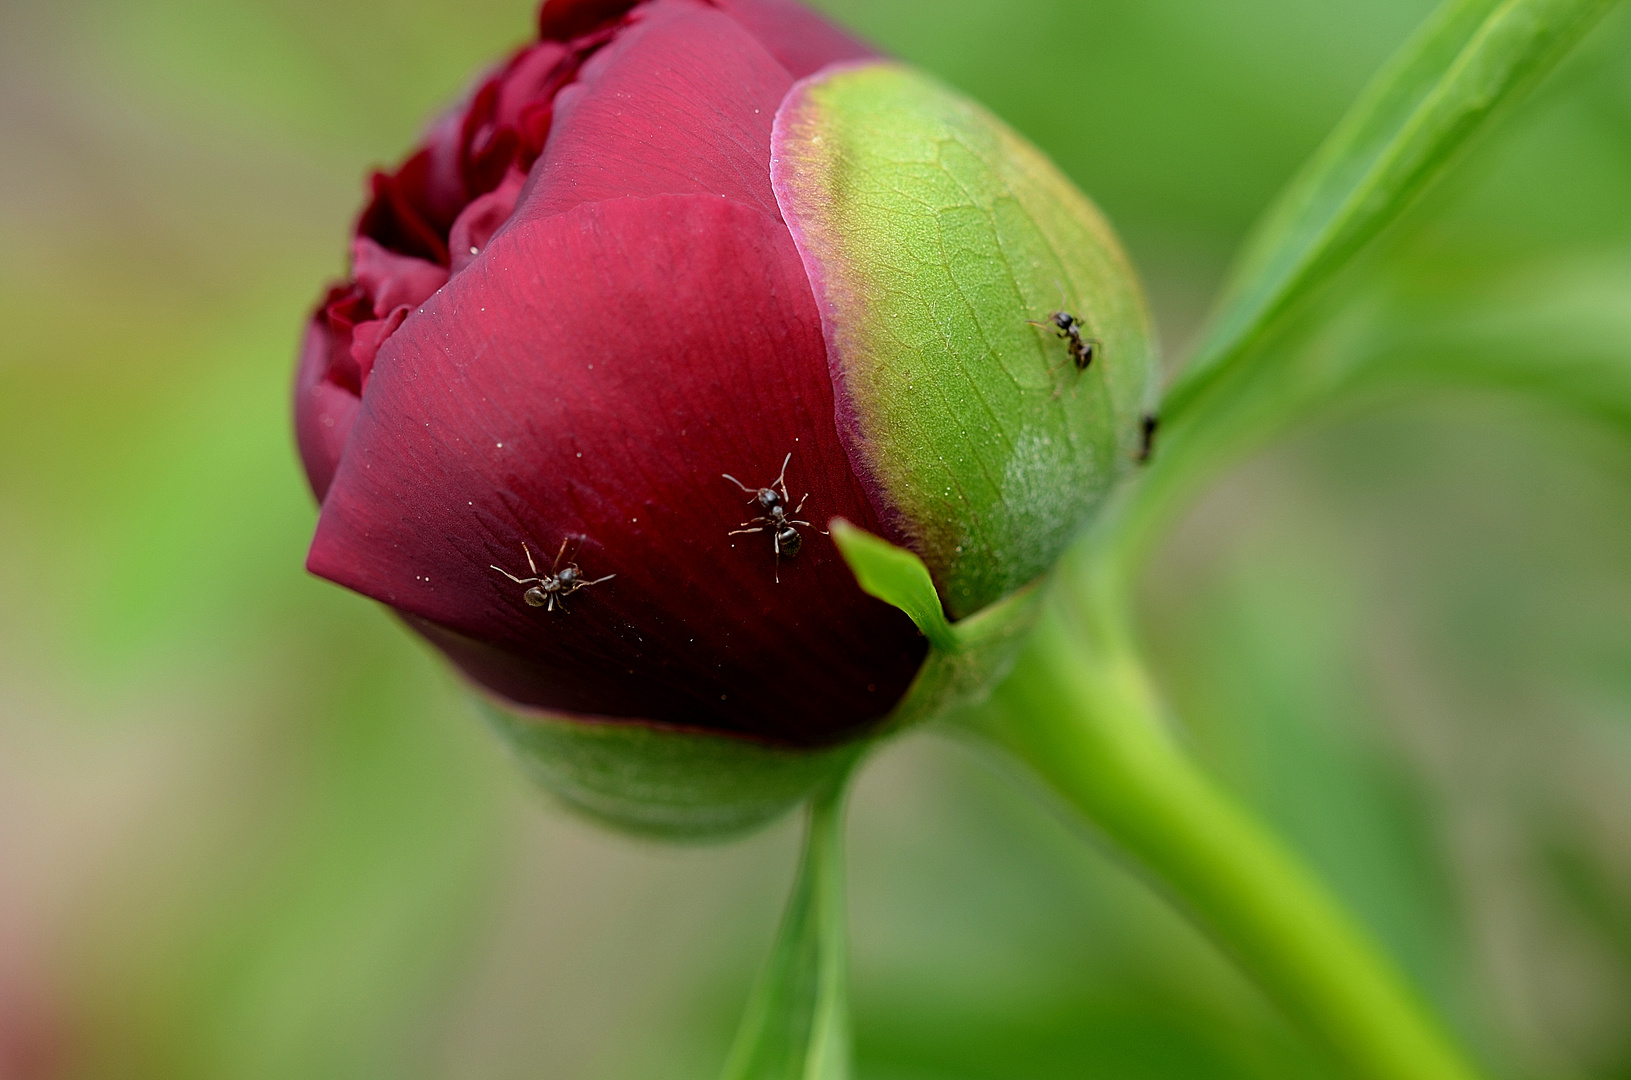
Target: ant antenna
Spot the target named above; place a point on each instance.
(738, 483)
(556, 565)
(781, 478)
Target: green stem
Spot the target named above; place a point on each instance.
(796, 1026)
(1080, 711)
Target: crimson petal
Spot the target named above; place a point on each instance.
(562, 20)
(800, 40)
(681, 102)
(324, 411)
(591, 376)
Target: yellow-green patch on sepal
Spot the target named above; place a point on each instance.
(937, 240)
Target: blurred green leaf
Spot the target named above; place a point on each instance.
(1559, 333)
(1441, 89)
(796, 1026)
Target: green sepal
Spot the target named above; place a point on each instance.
(967, 658)
(666, 782)
(895, 576)
(939, 244)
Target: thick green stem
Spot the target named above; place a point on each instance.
(796, 1026)
(1079, 710)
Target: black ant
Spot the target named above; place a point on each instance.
(773, 500)
(550, 590)
(1082, 349)
(1148, 424)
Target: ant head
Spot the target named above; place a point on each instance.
(568, 574)
(535, 597)
(1064, 320)
(768, 498)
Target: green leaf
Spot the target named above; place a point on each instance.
(796, 1026)
(667, 782)
(1441, 89)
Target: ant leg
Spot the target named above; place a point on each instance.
(739, 532)
(597, 580)
(781, 477)
(533, 567)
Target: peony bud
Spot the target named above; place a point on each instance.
(655, 258)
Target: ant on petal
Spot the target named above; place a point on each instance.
(550, 590)
(782, 523)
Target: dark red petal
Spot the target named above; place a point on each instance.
(533, 76)
(482, 218)
(346, 307)
(366, 338)
(592, 375)
(391, 280)
(440, 181)
(323, 411)
(680, 103)
(800, 40)
(562, 20)
(396, 220)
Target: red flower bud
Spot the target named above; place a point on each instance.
(672, 288)
(571, 310)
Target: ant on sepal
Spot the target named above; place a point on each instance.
(550, 590)
(1082, 349)
(782, 523)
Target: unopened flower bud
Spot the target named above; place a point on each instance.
(674, 286)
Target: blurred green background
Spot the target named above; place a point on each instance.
(249, 830)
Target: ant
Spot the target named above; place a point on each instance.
(551, 590)
(1148, 424)
(1082, 349)
(773, 500)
